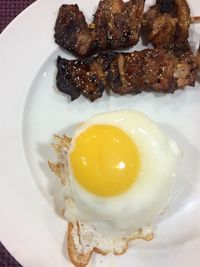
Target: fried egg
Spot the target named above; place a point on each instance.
(121, 170)
(118, 171)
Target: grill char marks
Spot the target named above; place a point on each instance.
(158, 70)
(75, 77)
(63, 80)
(115, 25)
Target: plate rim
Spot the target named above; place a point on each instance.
(8, 37)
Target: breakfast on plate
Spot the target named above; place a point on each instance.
(116, 163)
(169, 66)
(119, 162)
(116, 24)
(158, 70)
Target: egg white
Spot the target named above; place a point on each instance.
(140, 205)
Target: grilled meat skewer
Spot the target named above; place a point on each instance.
(116, 24)
(159, 70)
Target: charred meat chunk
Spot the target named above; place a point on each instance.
(72, 32)
(77, 77)
(166, 22)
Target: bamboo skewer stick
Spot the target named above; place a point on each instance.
(195, 19)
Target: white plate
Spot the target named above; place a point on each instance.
(31, 111)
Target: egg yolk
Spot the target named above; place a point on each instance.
(105, 160)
